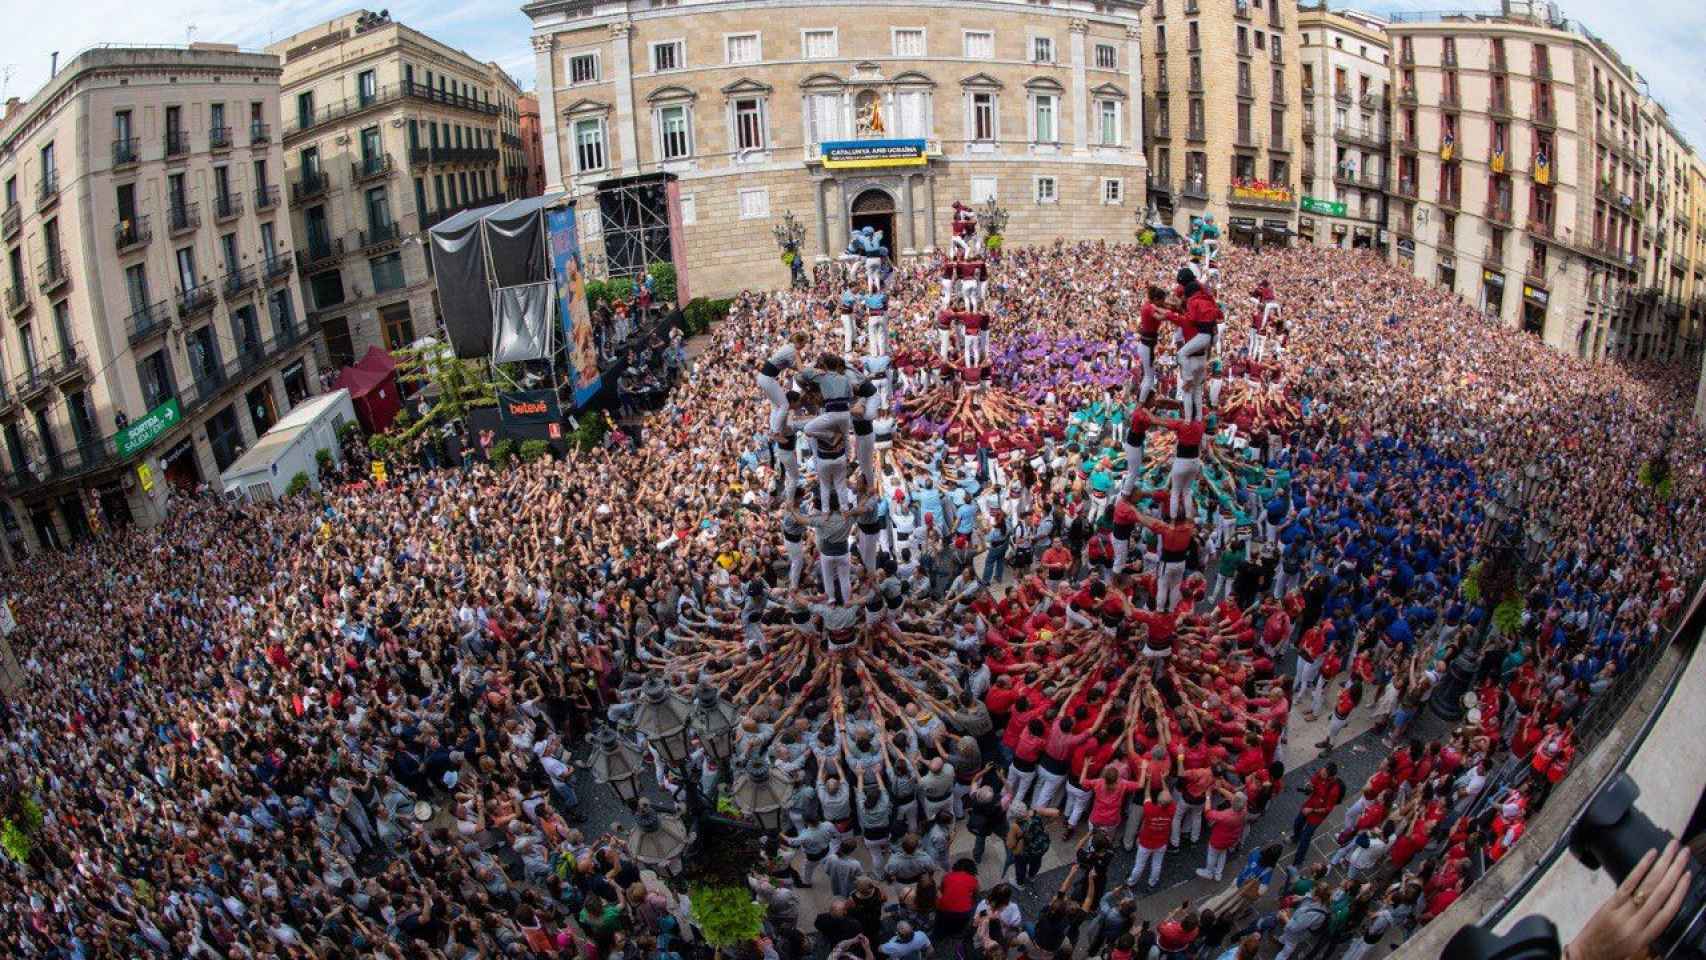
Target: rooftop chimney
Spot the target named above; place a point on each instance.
(53, 67)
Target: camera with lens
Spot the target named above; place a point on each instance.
(1612, 835)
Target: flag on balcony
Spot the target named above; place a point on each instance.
(1542, 167)
(1447, 146)
(1498, 161)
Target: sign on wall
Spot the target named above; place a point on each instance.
(1332, 208)
(149, 428)
(576, 319)
(845, 154)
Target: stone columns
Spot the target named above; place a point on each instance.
(821, 188)
(1080, 95)
(549, 120)
(1134, 69)
(930, 204)
(622, 73)
(907, 230)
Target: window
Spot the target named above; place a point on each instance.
(589, 145)
(749, 124)
(1274, 48)
(909, 41)
(741, 48)
(1043, 118)
(755, 203)
(583, 68)
(1108, 122)
(366, 87)
(398, 324)
(912, 113)
(689, 209)
(1107, 57)
(823, 112)
(387, 273)
(305, 109)
(1045, 190)
(674, 137)
(1113, 190)
(982, 189)
(818, 44)
(668, 55)
(979, 45)
(1042, 49)
(983, 116)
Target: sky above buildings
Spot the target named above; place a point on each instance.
(1659, 38)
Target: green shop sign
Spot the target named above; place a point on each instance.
(143, 432)
(1332, 208)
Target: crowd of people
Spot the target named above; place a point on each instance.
(348, 725)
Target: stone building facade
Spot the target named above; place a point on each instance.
(386, 132)
(1036, 106)
(1222, 81)
(152, 327)
(1347, 129)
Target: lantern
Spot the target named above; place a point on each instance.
(762, 793)
(614, 763)
(662, 719)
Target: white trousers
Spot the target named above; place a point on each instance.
(778, 398)
(1146, 360)
(1077, 803)
(832, 482)
(877, 334)
(1048, 785)
(796, 562)
(839, 572)
(1167, 585)
(1146, 859)
(1182, 486)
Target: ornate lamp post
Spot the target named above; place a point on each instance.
(714, 720)
(615, 764)
(993, 219)
(662, 718)
(658, 842)
(761, 793)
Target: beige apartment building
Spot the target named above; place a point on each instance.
(152, 327)
(1662, 325)
(1518, 171)
(532, 146)
(386, 131)
(1226, 135)
(511, 150)
(1037, 106)
(1347, 129)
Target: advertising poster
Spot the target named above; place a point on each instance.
(571, 304)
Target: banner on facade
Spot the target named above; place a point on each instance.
(1332, 208)
(145, 475)
(1535, 295)
(580, 349)
(844, 154)
(149, 428)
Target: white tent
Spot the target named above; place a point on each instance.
(289, 448)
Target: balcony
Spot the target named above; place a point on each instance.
(47, 193)
(1407, 57)
(132, 235)
(1360, 136)
(177, 144)
(53, 272)
(31, 383)
(1446, 240)
(1407, 96)
(421, 91)
(11, 220)
(1450, 100)
(71, 364)
(1500, 107)
(1308, 171)
(1194, 188)
(1500, 212)
(1308, 95)
(1309, 126)
(227, 207)
(1679, 263)
(1545, 115)
(1243, 50)
(1535, 273)
(266, 198)
(319, 256)
(127, 152)
(312, 184)
(219, 139)
(1246, 91)
(1369, 101)
(1260, 194)
(1342, 96)
(1161, 132)
(1599, 92)
(182, 217)
(1493, 258)
(18, 302)
(1247, 139)
(1196, 133)
(371, 168)
(1194, 84)
(196, 299)
(244, 278)
(1448, 58)
(1405, 226)
(379, 237)
(1451, 202)
(1498, 64)
(1241, 9)
(1543, 70)
(1539, 228)
(1277, 143)
(150, 321)
(260, 133)
(275, 267)
(1406, 142)
(1160, 185)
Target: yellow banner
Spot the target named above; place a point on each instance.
(145, 476)
(917, 161)
(1498, 162)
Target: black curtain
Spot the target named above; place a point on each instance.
(459, 265)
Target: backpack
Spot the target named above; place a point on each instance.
(1035, 837)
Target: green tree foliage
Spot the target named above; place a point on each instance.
(728, 916)
(298, 484)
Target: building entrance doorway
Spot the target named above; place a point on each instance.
(875, 208)
(180, 467)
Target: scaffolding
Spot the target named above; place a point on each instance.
(635, 223)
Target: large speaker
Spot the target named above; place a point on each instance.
(634, 213)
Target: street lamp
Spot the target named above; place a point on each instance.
(615, 764)
(761, 793)
(713, 719)
(662, 718)
(658, 842)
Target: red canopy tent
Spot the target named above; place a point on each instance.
(372, 386)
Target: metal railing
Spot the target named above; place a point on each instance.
(260, 133)
(1540, 227)
(1196, 132)
(196, 299)
(275, 267)
(1493, 258)
(47, 192)
(11, 220)
(131, 234)
(1194, 188)
(438, 216)
(177, 143)
(379, 235)
(371, 168)
(219, 138)
(53, 272)
(350, 106)
(240, 280)
(31, 381)
(71, 361)
(1545, 114)
(1246, 138)
(150, 320)
(228, 206)
(310, 186)
(17, 300)
(1500, 212)
(266, 198)
(182, 217)
(319, 255)
(126, 151)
